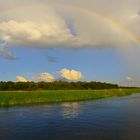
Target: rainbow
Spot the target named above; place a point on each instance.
(107, 19)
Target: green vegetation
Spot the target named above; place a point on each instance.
(10, 98)
(56, 85)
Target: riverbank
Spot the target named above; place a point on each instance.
(12, 98)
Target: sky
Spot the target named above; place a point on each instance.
(86, 40)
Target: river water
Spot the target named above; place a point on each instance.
(116, 118)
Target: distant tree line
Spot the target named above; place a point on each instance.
(56, 85)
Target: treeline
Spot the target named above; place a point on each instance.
(56, 85)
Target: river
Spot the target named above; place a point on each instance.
(116, 118)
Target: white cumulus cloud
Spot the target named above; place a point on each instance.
(70, 74)
(47, 77)
(70, 23)
(29, 33)
(21, 78)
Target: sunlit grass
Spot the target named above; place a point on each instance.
(8, 98)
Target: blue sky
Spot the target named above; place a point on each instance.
(95, 64)
(72, 40)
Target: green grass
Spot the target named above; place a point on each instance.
(9, 98)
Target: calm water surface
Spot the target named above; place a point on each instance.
(107, 119)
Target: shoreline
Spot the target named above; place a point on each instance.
(17, 98)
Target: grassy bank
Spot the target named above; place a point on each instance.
(8, 98)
